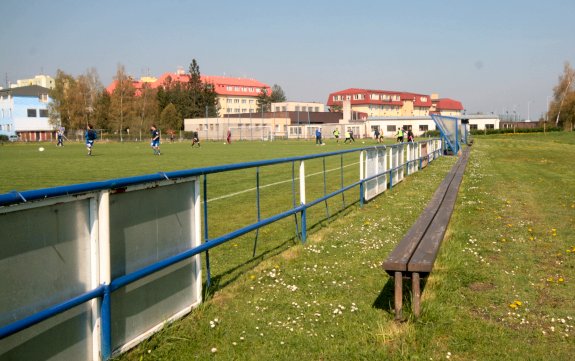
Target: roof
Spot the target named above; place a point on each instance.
(27, 91)
(419, 100)
(449, 104)
(222, 85)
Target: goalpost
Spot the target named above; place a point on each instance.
(262, 132)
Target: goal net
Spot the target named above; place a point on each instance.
(262, 132)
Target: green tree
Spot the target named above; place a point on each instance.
(59, 109)
(562, 108)
(278, 95)
(191, 98)
(123, 114)
(170, 118)
(202, 96)
(146, 107)
(102, 110)
(264, 101)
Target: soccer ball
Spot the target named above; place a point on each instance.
(225, 143)
(41, 149)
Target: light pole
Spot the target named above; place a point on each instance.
(547, 114)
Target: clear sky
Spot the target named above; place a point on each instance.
(493, 55)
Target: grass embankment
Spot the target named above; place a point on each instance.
(502, 288)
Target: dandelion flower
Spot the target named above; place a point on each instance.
(214, 350)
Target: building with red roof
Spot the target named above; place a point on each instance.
(235, 95)
(386, 103)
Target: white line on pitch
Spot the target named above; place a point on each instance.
(275, 184)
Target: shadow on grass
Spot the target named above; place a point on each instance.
(236, 271)
(385, 299)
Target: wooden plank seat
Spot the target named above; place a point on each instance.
(415, 254)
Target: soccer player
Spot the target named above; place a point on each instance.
(155, 139)
(90, 136)
(195, 138)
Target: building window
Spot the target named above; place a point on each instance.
(237, 101)
(229, 88)
(229, 100)
(489, 126)
(297, 108)
(237, 110)
(32, 113)
(473, 126)
(423, 128)
(243, 101)
(228, 110)
(391, 128)
(316, 109)
(251, 101)
(43, 113)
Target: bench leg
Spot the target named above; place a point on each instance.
(398, 302)
(415, 286)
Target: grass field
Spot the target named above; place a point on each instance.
(24, 167)
(502, 287)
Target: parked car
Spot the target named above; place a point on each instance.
(13, 138)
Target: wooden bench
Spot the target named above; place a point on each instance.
(415, 254)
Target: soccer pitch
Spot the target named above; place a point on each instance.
(231, 195)
(24, 167)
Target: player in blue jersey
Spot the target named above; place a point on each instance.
(155, 139)
(90, 136)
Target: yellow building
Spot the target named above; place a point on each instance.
(298, 107)
(44, 81)
(385, 103)
(235, 95)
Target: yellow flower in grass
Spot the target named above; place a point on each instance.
(550, 279)
(560, 280)
(530, 230)
(516, 304)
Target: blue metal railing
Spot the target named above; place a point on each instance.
(104, 291)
